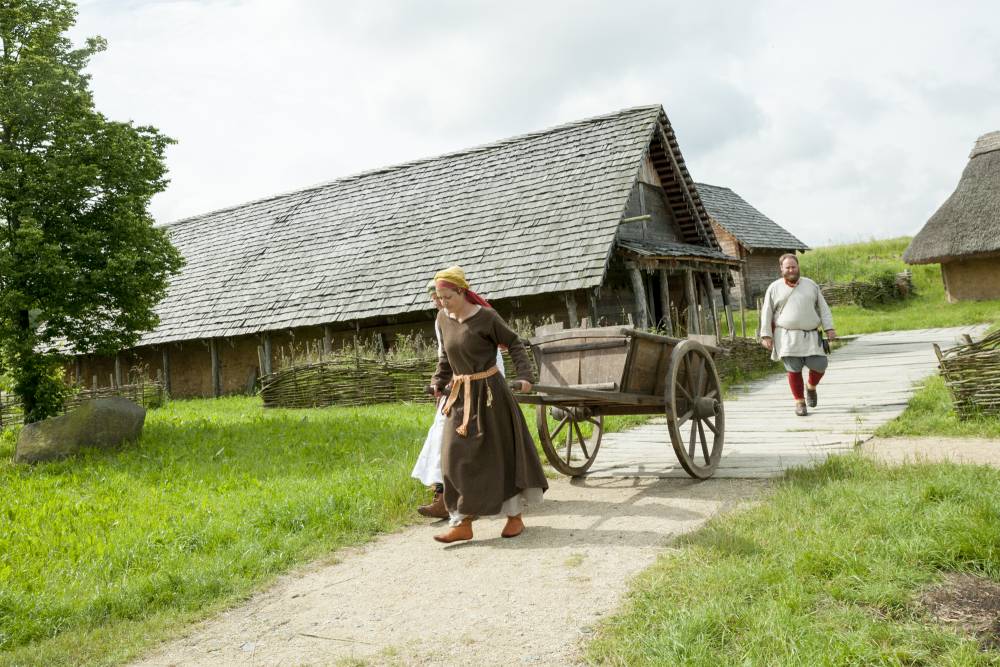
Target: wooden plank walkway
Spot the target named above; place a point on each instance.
(869, 382)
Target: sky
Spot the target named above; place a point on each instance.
(841, 121)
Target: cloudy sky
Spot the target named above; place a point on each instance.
(842, 122)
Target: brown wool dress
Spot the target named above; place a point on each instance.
(497, 460)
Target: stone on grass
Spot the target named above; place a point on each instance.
(103, 423)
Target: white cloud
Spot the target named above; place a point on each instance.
(842, 121)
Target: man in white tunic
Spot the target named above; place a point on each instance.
(793, 310)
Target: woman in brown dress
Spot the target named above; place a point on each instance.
(488, 458)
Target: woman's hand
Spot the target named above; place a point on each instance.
(831, 334)
(522, 386)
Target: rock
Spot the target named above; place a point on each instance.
(104, 423)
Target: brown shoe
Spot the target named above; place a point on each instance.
(812, 398)
(459, 533)
(800, 409)
(435, 509)
(514, 527)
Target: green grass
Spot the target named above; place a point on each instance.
(858, 261)
(103, 554)
(823, 572)
(930, 412)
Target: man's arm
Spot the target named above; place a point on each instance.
(825, 314)
(766, 327)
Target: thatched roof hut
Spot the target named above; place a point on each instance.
(963, 235)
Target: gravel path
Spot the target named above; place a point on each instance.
(405, 599)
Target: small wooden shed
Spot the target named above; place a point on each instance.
(963, 235)
(749, 235)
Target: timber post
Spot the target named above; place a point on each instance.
(639, 292)
(266, 367)
(694, 321)
(570, 298)
(213, 348)
(668, 325)
(165, 354)
(727, 304)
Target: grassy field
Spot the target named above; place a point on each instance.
(824, 572)
(858, 261)
(101, 555)
(930, 413)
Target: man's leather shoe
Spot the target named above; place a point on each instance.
(800, 409)
(435, 509)
(811, 397)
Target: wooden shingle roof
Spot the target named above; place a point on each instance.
(528, 215)
(751, 228)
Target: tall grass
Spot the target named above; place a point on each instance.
(825, 572)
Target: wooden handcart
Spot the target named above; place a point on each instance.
(587, 374)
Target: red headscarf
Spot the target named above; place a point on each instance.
(470, 296)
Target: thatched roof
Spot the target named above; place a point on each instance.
(533, 214)
(968, 223)
(753, 229)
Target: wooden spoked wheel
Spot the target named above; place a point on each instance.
(695, 415)
(567, 447)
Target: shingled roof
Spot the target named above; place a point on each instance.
(751, 228)
(968, 223)
(533, 214)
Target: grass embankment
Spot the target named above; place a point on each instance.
(824, 572)
(860, 261)
(103, 554)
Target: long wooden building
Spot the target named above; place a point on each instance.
(595, 219)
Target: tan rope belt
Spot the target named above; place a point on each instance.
(465, 383)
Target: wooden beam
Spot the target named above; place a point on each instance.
(709, 294)
(571, 309)
(327, 340)
(166, 369)
(693, 318)
(668, 149)
(213, 347)
(76, 370)
(117, 377)
(639, 292)
(726, 302)
(592, 296)
(668, 325)
(268, 358)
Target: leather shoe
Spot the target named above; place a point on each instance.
(800, 409)
(514, 527)
(811, 398)
(435, 509)
(459, 533)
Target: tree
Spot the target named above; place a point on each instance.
(81, 265)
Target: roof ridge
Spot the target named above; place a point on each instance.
(986, 143)
(427, 160)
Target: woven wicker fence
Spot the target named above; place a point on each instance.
(883, 289)
(353, 380)
(148, 394)
(349, 380)
(972, 374)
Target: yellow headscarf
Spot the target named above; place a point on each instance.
(454, 275)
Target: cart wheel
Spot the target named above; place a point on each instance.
(566, 448)
(694, 409)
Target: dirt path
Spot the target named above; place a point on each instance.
(981, 451)
(406, 599)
